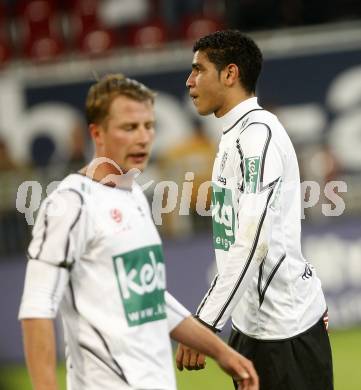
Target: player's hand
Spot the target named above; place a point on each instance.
(240, 368)
(189, 358)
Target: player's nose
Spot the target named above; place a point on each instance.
(190, 81)
(145, 135)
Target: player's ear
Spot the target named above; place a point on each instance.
(230, 75)
(97, 133)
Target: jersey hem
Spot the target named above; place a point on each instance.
(234, 327)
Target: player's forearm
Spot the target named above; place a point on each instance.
(191, 333)
(40, 352)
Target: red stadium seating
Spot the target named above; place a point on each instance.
(193, 27)
(89, 35)
(41, 30)
(152, 34)
(96, 42)
(5, 52)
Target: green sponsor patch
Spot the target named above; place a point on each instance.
(252, 172)
(141, 280)
(277, 193)
(222, 218)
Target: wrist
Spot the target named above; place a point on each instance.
(220, 350)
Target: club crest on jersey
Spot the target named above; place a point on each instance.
(244, 123)
(116, 215)
(223, 162)
(308, 272)
(221, 169)
(252, 173)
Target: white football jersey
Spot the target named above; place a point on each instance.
(96, 252)
(263, 280)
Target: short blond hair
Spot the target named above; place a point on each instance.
(103, 92)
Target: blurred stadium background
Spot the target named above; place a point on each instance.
(50, 52)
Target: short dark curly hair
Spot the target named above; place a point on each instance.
(233, 47)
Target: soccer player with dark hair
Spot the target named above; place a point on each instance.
(264, 283)
(97, 255)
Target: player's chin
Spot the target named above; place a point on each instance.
(202, 110)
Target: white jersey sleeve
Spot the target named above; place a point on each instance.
(257, 169)
(176, 312)
(56, 244)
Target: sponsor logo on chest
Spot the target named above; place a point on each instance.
(223, 218)
(141, 281)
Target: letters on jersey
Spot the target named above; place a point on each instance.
(252, 173)
(141, 280)
(222, 218)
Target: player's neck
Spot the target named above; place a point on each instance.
(232, 100)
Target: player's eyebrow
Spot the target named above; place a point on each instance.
(136, 123)
(196, 66)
